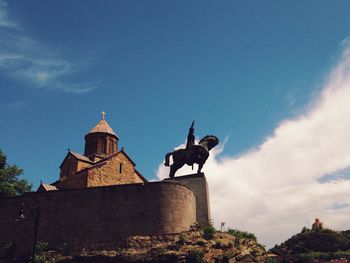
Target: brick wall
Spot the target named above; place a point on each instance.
(99, 217)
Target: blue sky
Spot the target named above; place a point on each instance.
(239, 68)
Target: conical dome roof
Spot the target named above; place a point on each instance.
(102, 127)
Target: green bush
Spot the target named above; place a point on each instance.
(322, 241)
(200, 243)
(241, 234)
(305, 229)
(41, 246)
(179, 243)
(324, 255)
(194, 256)
(175, 246)
(208, 232)
(40, 258)
(218, 244)
(181, 240)
(309, 245)
(225, 259)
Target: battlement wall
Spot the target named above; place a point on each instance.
(99, 217)
(198, 183)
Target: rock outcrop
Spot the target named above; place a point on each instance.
(189, 246)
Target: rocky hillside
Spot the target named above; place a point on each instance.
(314, 246)
(193, 246)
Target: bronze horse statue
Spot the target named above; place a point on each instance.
(191, 154)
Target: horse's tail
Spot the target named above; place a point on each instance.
(167, 157)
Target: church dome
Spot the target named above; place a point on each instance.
(101, 140)
(102, 127)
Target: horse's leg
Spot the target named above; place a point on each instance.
(200, 166)
(167, 156)
(173, 169)
(178, 161)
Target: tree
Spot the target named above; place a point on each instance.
(10, 184)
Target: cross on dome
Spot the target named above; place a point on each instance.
(102, 126)
(101, 139)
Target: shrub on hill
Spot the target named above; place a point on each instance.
(323, 241)
(208, 232)
(241, 234)
(309, 245)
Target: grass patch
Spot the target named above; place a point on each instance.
(241, 234)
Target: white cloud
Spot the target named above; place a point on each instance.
(277, 188)
(27, 60)
(13, 106)
(4, 21)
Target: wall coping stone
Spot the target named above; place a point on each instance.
(108, 187)
(195, 175)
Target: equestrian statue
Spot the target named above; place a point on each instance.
(192, 153)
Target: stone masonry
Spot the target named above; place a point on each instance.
(98, 217)
(199, 186)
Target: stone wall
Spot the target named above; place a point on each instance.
(75, 181)
(199, 185)
(110, 172)
(71, 166)
(98, 217)
(82, 165)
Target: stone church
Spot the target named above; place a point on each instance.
(102, 163)
(100, 200)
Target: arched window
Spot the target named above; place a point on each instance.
(111, 145)
(103, 146)
(93, 145)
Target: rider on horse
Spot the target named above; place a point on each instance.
(190, 142)
(193, 153)
(190, 137)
